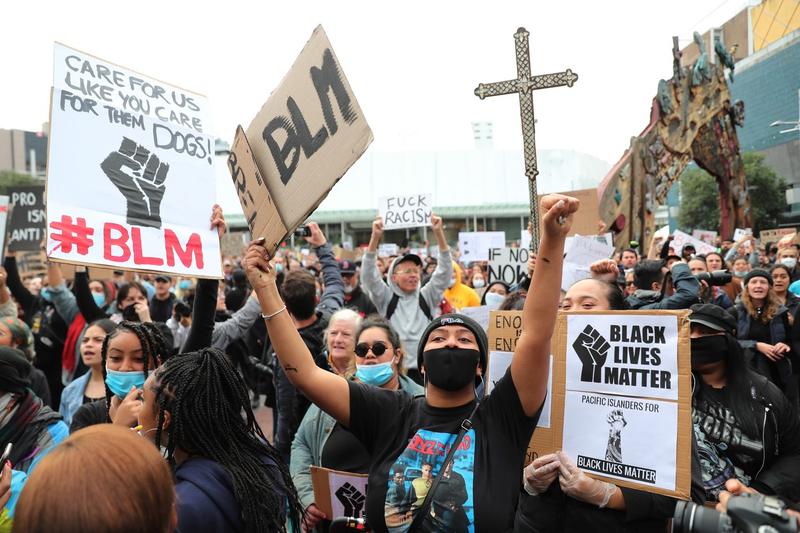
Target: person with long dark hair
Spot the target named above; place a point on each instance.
(491, 436)
(746, 428)
(228, 476)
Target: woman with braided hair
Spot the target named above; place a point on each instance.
(129, 353)
(228, 476)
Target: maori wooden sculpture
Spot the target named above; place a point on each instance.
(692, 119)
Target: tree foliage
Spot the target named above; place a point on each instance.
(9, 178)
(700, 196)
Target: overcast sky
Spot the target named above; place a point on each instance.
(413, 65)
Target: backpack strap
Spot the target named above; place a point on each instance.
(426, 310)
(392, 306)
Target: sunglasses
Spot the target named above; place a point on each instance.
(378, 349)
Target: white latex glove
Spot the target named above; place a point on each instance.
(540, 474)
(578, 485)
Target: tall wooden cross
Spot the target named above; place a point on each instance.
(525, 84)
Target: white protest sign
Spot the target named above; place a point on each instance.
(661, 233)
(706, 236)
(741, 232)
(508, 264)
(130, 178)
(306, 136)
(3, 220)
(407, 211)
(498, 365)
(479, 314)
(581, 252)
(475, 245)
(525, 239)
(348, 494)
(631, 439)
(681, 239)
(614, 354)
(388, 249)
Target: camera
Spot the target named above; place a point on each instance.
(302, 231)
(716, 278)
(747, 513)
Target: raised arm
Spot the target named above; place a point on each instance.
(371, 279)
(83, 295)
(18, 290)
(333, 296)
(530, 364)
(329, 391)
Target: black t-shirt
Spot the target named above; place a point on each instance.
(724, 449)
(161, 310)
(343, 451)
(402, 433)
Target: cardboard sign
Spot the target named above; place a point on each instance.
(130, 179)
(581, 252)
(339, 494)
(409, 211)
(4, 200)
(31, 264)
(681, 239)
(774, 235)
(475, 245)
(27, 226)
(621, 405)
(306, 136)
(508, 264)
(708, 237)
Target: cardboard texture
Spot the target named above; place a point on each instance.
(505, 328)
(304, 138)
(774, 235)
(321, 484)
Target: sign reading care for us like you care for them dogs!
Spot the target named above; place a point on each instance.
(621, 396)
(130, 181)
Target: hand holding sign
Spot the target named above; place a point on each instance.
(143, 184)
(578, 485)
(592, 350)
(256, 265)
(558, 212)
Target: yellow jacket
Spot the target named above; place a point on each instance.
(460, 295)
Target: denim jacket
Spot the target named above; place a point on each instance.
(310, 439)
(72, 397)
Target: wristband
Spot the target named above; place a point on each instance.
(270, 317)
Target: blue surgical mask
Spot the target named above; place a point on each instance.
(99, 298)
(120, 383)
(493, 299)
(45, 293)
(278, 267)
(375, 375)
(184, 284)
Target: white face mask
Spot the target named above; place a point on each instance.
(348, 289)
(493, 299)
(478, 283)
(789, 262)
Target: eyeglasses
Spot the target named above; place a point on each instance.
(628, 283)
(408, 271)
(378, 349)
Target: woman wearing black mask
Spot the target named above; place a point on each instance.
(479, 489)
(745, 427)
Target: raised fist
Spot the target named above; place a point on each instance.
(352, 500)
(141, 182)
(592, 350)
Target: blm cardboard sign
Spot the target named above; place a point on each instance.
(307, 135)
(27, 225)
(621, 406)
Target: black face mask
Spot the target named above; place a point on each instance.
(450, 369)
(129, 314)
(709, 349)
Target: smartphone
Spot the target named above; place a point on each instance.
(302, 231)
(5, 456)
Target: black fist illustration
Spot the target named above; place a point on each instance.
(592, 350)
(352, 500)
(140, 177)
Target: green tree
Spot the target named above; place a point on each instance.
(700, 196)
(9, 178)
(699, 201)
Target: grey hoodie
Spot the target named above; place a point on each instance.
(408, 319)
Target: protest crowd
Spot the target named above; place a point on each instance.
(358, 359)
(150, 384)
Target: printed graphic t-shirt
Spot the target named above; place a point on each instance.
(725, 451)
(403, 433)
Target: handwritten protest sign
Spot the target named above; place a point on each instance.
(681, 239)
(774, 235)
(475, 245)
(581, 252)
(408, 211)
(708, 237)
(339, 494)
(388, 249)
(26, 228)
(301, 142)
(621, 403)
(508, 264)
(130, 181)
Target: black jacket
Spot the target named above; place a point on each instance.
(687, 289)
(359, 302)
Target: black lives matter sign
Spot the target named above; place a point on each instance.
(27, 224)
